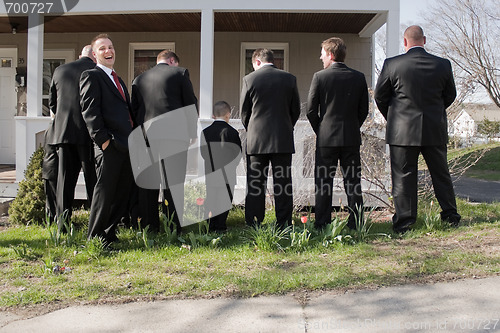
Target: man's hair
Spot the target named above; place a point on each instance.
(414, 33)
(221, 108)
(264, 55)
(166, 54)
(86, 51)
(335, 46)
(99, 37)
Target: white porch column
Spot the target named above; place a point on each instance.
(207, 63)
(34, 66)
(29, 129)
(393, 36)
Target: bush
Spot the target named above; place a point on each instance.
(29, 204)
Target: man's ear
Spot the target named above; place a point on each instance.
(405, 42)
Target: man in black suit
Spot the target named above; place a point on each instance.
(412, 93)
(220, 148)
(49, 173)
(337, 106)
(270, 107)
(75, 149)
(106, 110)
(162, 89)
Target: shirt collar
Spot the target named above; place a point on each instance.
(106, 70)
(414, 47)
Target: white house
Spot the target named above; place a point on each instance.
(464, 125)
(214, 39)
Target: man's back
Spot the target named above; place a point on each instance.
(161, 89)
(270, 107)
(413, 93)
(64, 101)
(338, 105)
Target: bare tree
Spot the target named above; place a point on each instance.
(467, 33)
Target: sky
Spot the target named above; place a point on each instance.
(411, 11)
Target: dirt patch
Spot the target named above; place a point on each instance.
(4, 222)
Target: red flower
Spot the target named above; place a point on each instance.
(303, 219)
(200, 201)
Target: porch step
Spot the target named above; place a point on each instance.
(8, 190)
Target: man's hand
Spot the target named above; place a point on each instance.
(105, 145)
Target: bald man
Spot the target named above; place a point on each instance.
(71, 137)
(412, 93)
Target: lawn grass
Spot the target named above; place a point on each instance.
(487, 168)
(236, 267)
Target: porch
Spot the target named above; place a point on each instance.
(212, 41)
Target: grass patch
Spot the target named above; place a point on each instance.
(238, 265)
(487, 168)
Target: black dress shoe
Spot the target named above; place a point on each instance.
(218, 229)
(453, 220)
(400, 230)
(111, 238)
(403, 227)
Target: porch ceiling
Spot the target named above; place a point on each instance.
(224, 21)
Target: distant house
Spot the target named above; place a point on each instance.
(465, 125)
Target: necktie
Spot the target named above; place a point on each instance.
(118, 85)
(120, 89)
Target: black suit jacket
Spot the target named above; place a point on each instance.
(161, 89)
(337, 105)
(412, 93)
(225, 145)
(50, 159)
(64, 101)
(105, 112)
(270, 107)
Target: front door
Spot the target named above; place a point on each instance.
(8, 101)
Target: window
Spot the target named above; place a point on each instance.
(6, 62)
(51, 60)
(142, 56)
(280, 51)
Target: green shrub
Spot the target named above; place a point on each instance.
(29, 204)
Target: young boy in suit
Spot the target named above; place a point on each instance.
(221, 150)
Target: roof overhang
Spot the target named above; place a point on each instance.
(361, 23)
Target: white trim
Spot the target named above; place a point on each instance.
(94, 7)
(206, 64)
(34, 66)
(9, 53)
(375, 24)
(393, 39)
(132, 47)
